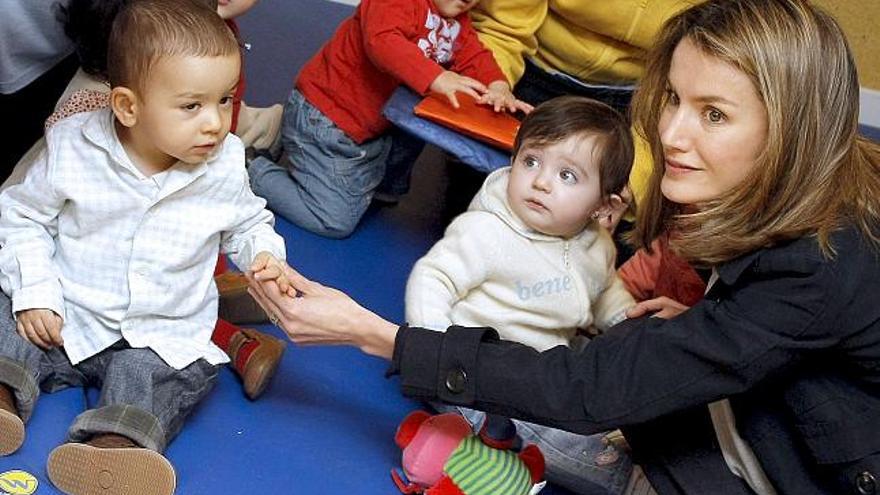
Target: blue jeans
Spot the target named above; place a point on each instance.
(141, 397)
(582, 464)
(327, 180)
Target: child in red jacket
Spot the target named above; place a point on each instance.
(333, 131)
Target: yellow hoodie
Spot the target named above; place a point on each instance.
(595, 41)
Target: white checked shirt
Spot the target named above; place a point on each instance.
(121, 255)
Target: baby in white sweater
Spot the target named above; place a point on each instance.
(529, 257)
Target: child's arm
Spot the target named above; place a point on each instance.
(385, 26)
(448, 83)
(28, 223)
(458, 263)
(41, 327)
(612, 304)
(252, 232)
(267, 267)
(499, 97)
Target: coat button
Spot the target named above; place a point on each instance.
(456, 380)
(866, 484)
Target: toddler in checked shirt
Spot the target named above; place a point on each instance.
(109, 246)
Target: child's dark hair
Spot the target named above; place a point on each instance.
(88, 23)
(566, 116)
(146, 31)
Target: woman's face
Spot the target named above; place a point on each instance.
(713, 127)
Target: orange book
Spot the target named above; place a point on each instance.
(477, 121)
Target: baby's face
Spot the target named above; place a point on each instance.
(185, 111)
(554, 188)
(230, 9)
(453, 8)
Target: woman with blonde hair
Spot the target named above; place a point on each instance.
(771, 383)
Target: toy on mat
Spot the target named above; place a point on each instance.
(442, 456)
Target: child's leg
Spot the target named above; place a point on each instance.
(584, 464)
(255, 355)
(22, 366)
(142, 397)
(142, 407)
(405, 149)
(328, 181)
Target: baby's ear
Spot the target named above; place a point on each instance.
(124, 103)
(613, 204)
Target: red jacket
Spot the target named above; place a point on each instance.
(239, 90)
(661, 273)
(386, 43)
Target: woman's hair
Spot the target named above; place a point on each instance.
(145, 31)
(813, 175)
(566, 116)
(88, 23)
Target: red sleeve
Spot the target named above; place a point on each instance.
(471, 58)
(639, 273)
(385, 25)
(239, 90)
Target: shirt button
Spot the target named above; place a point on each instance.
(456, 380)
(866, 484)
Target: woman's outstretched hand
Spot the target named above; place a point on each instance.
(323, 315)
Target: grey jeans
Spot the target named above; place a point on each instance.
(141, 396)
(583, 464)
(328, 180)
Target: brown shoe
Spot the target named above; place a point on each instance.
(258, 367)
(11, 425)
(236, 305)
(110, 465)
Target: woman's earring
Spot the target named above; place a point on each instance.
(595, 215)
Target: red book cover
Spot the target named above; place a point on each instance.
(480, 122)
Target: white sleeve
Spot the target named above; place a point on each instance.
(458, 262)
(610, 307)
(28, 225)
(254, 230)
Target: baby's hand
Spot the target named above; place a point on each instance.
(448, 82)
(41, 327)
(267, 267)
(500, 98)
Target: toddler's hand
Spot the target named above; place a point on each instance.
(500, 98)
(448, 82)
(258, 127)
(267, 267)
(662, 307)
(41, 327)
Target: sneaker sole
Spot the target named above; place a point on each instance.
(11, 432)
(80, 469)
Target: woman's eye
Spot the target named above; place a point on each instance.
(226, 100)
(671, 97)
(715, 116)
(190, 106)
